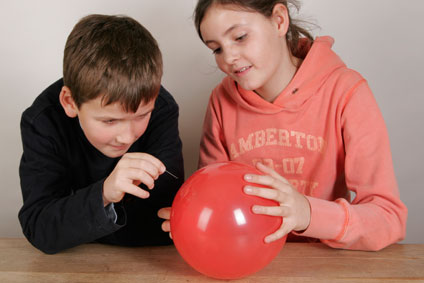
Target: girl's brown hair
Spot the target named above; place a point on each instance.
(265, 7)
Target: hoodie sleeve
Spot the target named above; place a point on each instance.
(212, 144)
(376, 217)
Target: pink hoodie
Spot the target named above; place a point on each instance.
(326, 135)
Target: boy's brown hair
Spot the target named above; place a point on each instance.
(115, 57)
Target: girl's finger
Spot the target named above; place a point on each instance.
(269, 181)
(265, 180)
(282, 210)
(280, 233)
(271, 194)
(269, 171)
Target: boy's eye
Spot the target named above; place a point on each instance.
(109, 121)
(240, 38)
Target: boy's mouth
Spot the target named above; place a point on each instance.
(119, 147)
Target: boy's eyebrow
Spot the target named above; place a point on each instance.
(118, 118)
(147, 112)
(225, 33)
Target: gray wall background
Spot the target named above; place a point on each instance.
(378, 38)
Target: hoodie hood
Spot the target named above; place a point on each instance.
(319, 63)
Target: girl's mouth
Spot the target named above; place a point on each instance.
(243, 70)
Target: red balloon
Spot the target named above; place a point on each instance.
(214, 228)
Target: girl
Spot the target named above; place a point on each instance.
(290, 106)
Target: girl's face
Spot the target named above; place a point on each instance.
(248, 46)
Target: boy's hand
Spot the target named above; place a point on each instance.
(165, 213)
(133, 169)
(294, 207)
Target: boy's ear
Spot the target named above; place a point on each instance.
(280, 16)
(68, 102)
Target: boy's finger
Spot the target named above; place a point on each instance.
(143, 164)
(147, 157)
(166, 226)
(165, 213)
(136, 191)
(140, 175)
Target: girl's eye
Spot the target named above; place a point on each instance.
(217, 51)
(109, 122)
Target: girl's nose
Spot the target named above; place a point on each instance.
(230, 55)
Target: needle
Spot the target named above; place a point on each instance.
(175, 177)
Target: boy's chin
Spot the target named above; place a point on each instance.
(113, 153)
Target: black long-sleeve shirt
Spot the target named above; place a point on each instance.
(62, 177)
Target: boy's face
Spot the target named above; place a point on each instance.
(110, 129)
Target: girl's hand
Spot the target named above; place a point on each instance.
(165, 213)
(294, 207)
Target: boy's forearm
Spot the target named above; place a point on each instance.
(55, 224)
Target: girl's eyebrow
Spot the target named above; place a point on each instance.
(226, 32)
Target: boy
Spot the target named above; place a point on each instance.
(91, 139)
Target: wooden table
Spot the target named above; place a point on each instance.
(297, 262)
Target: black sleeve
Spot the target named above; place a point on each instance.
(161, 140)
(55, 216)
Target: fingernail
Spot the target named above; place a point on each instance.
(248, 177)
(256, 209)
(248, 189)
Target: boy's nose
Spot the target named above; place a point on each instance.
(127, 134)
